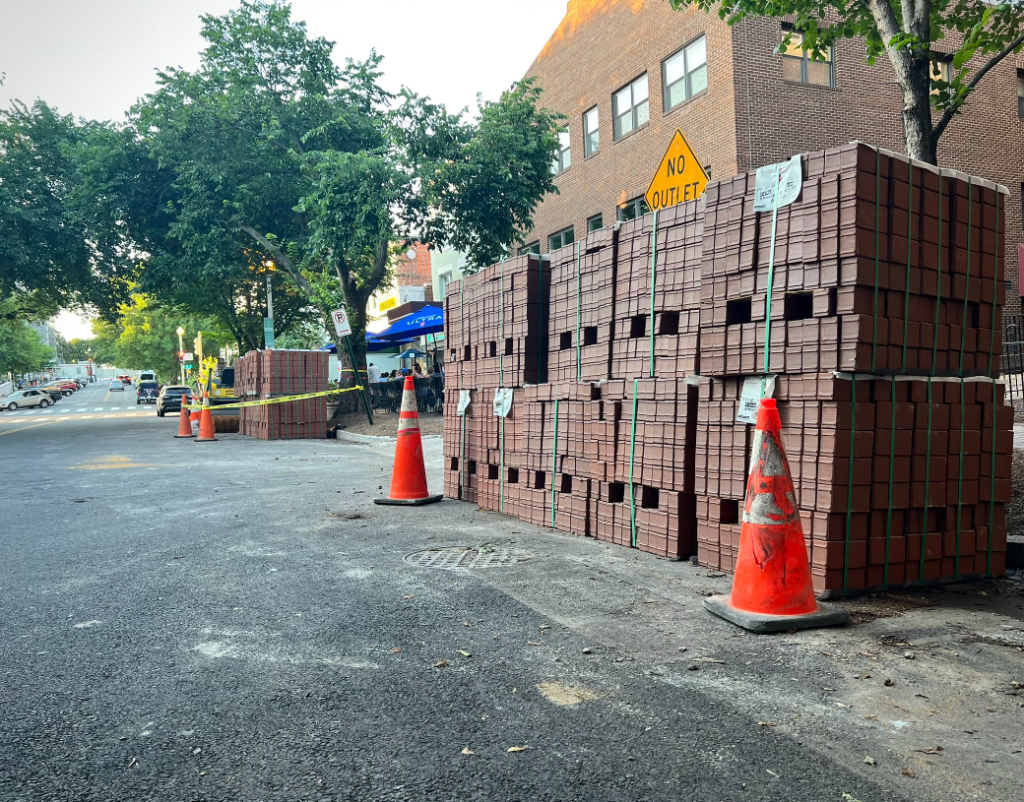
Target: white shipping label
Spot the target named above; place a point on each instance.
(787, 176)
(463, 401)
(502, 402)
(750, 398)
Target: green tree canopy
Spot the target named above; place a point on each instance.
(978, 34)
(271, 141)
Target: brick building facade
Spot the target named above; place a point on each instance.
(758, 108)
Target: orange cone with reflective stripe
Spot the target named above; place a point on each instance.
(772, 588)
(184, 420)
(206, 431)
(409, 478)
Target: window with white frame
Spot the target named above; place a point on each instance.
(561, 239)
(591, 133)
(685, 73)
(631, 107)
(562, 160)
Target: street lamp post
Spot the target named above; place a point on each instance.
(181, 353)
(268, 323)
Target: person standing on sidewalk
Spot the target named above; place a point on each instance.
(373, 373)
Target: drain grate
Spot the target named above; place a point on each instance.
(465, 557)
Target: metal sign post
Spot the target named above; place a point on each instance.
(344, 330)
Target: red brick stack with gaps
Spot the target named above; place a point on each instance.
(263, 375)
(885, 315)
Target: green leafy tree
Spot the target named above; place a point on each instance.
(981, 35)
(127, 199)
(78, 350)
(270, 139)
(42, 249)
(145, 337)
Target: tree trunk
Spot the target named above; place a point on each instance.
(917, 110)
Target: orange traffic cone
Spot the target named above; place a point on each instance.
(772, 588)
(409, 477)
(184, 420)
(194, 416)
(206, 432)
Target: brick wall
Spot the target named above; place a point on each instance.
(600, 47)
(748, 116)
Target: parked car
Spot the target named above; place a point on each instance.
(55, 393)
(116, 386)
(170, 397)
(26, 398)
(146, 392)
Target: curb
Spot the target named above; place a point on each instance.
(374, 439)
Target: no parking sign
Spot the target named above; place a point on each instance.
(341, 324)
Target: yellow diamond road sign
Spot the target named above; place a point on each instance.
(680, 176)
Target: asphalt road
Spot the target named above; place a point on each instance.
(236, 621)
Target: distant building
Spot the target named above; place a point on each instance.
(411, 282)
(628, 73)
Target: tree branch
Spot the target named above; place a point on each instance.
(951, 112)
(889, 27)
(283, 260)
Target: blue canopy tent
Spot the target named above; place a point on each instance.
(372, 344)
(428, 320)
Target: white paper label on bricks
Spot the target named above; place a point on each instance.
(341, 324)
(789, 183)
(750, 397)
(502, 402)
(463, 401)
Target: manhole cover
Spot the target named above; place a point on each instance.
(458, 557)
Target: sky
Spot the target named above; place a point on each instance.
(95, 58)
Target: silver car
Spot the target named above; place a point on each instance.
(25, 398)
(116, 386)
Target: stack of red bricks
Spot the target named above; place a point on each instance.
(891, 273)
(885, 312)
(265, 375)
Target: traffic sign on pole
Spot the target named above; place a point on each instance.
(680, 176)
(341, 324)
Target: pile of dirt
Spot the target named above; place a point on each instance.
(385, 424)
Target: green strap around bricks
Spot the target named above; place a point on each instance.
(632, 453)
(654, 281)
(579, 369)
(501, 382)
(963, 340)
(995, 409)
(554, 458)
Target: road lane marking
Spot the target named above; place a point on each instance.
(31, 426)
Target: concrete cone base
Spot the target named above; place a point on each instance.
(825, 616)
(408, 502)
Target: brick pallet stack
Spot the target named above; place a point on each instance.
(891, 273)
(581, 314)
(675, 299)
(495, 335)
(885, 315)
(275, 373)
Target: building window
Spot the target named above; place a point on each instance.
(685, 73)
(798, 67)
(631, 209)
(631, 107)
(591, 133)
(594, 223)
(442, 284)
(533, 247)
(561, 239)
(1020, 94)
(940, 71)
(562, 160)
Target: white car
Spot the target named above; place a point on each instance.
(26, 398)
(116, 386)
